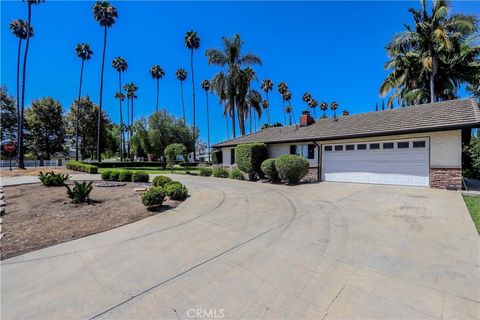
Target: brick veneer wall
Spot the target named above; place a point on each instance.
(312, 175)
(440, 178)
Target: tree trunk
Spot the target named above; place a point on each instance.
(251, 121)
(315, 113)
(99, 120)
(131, 129)
(268, 108)
(183, 102)
(241, 121)
(432, 80)
(158, 93)
(121, 117)
(18, 94)
(208, 129)
(193, 102)
(284, 114)
(232, 110)
(78, 110)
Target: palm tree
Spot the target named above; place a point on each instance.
(192, 42)
(282, 88)
(20, 151)
(157, 73)
(248, 101)
(288, 110)
(19, 29)
(345, 113)
(266, 86)
(120, 96)
(376, 106)
(182, 76)
(324, 108)
(206, 87)
(105, 14)
(120, 65)
(334, 107)
(230, 83)
(307, 97)
(313, 104)
(287, 96)
(131, 89)
(434, 58)
(84, 52)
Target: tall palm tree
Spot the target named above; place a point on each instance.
(182, 76)
(324, 108)
(334, 107)
(131, 89)
(19, 29)
(206, 86)
(120, 65)
(20, 151)
(307, 97)
(157, 73)
(313, 104)
(84, 52)
(282, 88)
(192, 42)
(287, 97)
(105, 14)
(248, 101)
(265, 106)
(288, 110)
(266, 86)
(231, 83)
(120, 96)
(345, 113)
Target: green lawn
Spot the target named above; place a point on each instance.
(473, 205)
(151, 170)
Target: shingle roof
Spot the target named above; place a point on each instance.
(453, 114)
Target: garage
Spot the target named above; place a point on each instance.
(396, 162)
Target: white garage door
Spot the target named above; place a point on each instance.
(399, 162)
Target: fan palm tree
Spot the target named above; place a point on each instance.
(288, 110)
(282, 88)
(84, 52)
(105, 14)
(131, 89)
(182, 76)
(287, 97)
(157, 73)
(307, 97)
(192, 42)
(345, 113)
(21, 150)
(19, 29)
(120, 96)
(324, 108)
(206, 86)
(232, 82)
(266, 86)
(120, 65)
(334, 107)
(313, 104)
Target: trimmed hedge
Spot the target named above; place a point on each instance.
(176, 191)
(106, 174)
(249, 158)
(292, 168)
(153, 197)
(129, 164)
(140, 176)
(236, 174)
(160, 181)
(220, 172)
(269, 169)
(206, 172)
(114, 175)
(79, 166)
(125, 175)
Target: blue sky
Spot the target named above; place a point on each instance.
(335, 50)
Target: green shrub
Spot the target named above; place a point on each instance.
(114, 175)
(172, 151)
(175, 190)
(125, 175)
(471, 159)
(220, 172)
(160, 181)
(268, 168)
(140, 176)
(106, 175)
(205, 171)
(52, 179)
(79, 166)
(236, 174)
(80, 192)
(153, 197)
(249, 158)
(292, 168)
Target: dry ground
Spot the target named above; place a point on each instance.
(5, 172)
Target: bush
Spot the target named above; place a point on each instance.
(471, 159)
(292, 168)
(80, 192)
(128, 164)
(79, 166)
(160, 181)
(52, 179)
(175, 190)
(106, 175)
(172, 151)
(125, 175)
(114, 175)
(269, 169)
(140, 176)
(249, 158)
(236, 174)
(220, 172)
(206, 172)
(153, 197)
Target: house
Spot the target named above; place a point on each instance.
(415, 146)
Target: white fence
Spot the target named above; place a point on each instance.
(34, 163)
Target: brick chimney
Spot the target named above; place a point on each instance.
(306, 119)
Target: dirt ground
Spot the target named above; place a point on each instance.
(5, 172)
(37, 217)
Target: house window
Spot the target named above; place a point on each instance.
(328, 148)
(403, 145)
(388, 145)
(232, 156)
(311, 151)
(338, 148)
(350, 147)
(374, 146)
(293, 149)
(419, 144)
(361, 146)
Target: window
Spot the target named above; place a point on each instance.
(232, 156)
(311, 151)
(350, 147)
(328, 148)
(293, 149)
(374, 146)
(419, 144)
(338, 148)
(403, 145)
(361, 146)
(388, 145)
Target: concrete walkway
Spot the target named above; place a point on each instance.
(15, 181)
(252, 250)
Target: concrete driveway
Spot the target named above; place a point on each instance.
(249, 250)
